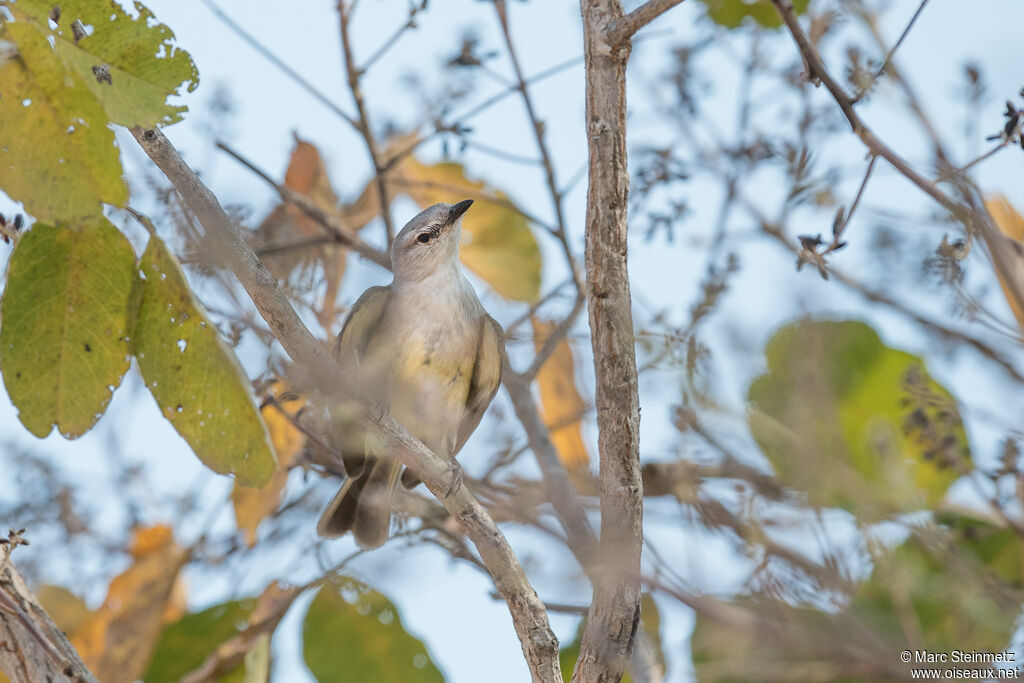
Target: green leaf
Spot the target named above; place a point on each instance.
(66, 320)
(353, 633)
(939, 585)
(854, 423)
(759, 637)
(58, 156)
(145, 65)
(731, 13)
(194, 377)
(932, 591)
(185, 644)
(997, 546)
(257, 661)
(568, 654)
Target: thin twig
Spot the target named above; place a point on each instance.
(560, 231)
(393, 39)
(971, 212)
(337, 231)
(536, 125)
(971, 164)
(913, 101)
(555, 338)
(579, 535)
(881, 298)
(534, 307)
(818, 70)
(478, 109)
(363, 123)
(840, 228)
(888, 57)
(276, 61)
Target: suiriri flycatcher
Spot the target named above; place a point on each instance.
(422, 348)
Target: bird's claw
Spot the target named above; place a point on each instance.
(454, 478)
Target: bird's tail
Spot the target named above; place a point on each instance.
(363, 505)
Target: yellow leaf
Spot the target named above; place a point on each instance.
(252, 505)
(116, 640)
(561, 404)
(498, 244)
(1011, 225)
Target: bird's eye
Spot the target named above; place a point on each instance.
(423, 237)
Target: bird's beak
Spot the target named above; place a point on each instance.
(458, 209)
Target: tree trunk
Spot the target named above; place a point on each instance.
(615, 609)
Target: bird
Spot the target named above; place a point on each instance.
(424, 350)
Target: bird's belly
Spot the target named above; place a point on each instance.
(429, 389)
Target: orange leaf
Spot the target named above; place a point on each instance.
(288, 224)
(116, 640)
(1011, 225)
(253, 505)
(562, 406)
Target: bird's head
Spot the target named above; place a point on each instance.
(429, 241)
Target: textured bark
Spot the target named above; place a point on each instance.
(529, 617)
(32, 648)
(615, 610)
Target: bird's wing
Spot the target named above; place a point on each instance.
(360, 324)
(490, 357)
(349, 351)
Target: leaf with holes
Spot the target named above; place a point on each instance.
(130, 64)
(66, 315)
(854, 423)
(195, 379)
(353, 633)
(58, 155)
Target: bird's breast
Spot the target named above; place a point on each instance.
(435, 344)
